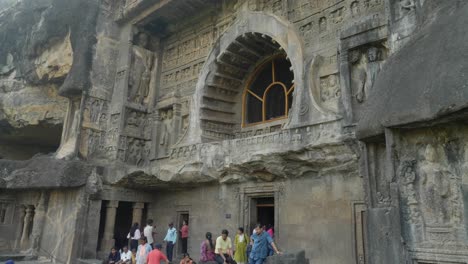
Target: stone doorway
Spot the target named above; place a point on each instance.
(262, 211)
(123, 223)
(181, 216)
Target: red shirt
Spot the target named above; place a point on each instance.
(184, 231)
(155, 257)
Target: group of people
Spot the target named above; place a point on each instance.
(143, 250)
(253, 250)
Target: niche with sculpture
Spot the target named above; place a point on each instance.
(142, 66)
(165, 131)
(366, 63)
(431, 194)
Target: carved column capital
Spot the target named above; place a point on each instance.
(112, 204)
(138, 205)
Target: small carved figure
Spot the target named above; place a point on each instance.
(322, 24)
(141, 67)
(132, 121)
(407, 5)
(147, 153)
(408, 179)
(354, 8)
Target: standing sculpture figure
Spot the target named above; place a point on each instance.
(166, 129)
(435, 189)
(368, 77)
(141, 67)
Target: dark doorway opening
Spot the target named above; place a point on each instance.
(102, 224)
(181, 217)
(262, 211)
(123, 223)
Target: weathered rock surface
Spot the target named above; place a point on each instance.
(289, 258)
(421, 92)
(43, 172)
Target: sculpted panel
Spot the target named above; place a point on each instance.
(431, 192)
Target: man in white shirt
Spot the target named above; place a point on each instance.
(148, 232)
(125, 256)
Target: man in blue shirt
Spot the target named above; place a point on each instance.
(170, 239)
(260, 240)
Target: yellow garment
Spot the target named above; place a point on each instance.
(241, 248)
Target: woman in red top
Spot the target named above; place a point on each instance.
(184, 230)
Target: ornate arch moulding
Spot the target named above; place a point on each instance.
(304, 109)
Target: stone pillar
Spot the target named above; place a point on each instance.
(108, 240)
(21, 210)
(28, 220)
(137, 213)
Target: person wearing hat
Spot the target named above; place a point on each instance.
(155, 256)
(170, 239)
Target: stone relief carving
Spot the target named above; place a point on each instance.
(407, 5)
(439, 191)
(137, 124)
(355, 9)
(330, 92)
(322, 24)
(95, 112)
(366, 65)
(141, 67)
(137, 151)
(431, 193)
(94, 141)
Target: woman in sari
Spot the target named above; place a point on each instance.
(241, 241)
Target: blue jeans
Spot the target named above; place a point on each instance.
(169, 249)
(256, 261)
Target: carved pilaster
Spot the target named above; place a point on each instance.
(27, 225)
(345, 80)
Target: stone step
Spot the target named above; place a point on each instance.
(89, 261)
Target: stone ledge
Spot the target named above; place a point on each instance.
(43, 172)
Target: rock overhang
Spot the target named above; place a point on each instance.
(425, 80)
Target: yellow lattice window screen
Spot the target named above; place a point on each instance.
(268, 95)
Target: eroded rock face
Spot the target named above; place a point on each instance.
(46, 50)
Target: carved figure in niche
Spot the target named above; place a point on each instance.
(354, 9)
(408, 179)
(337, 16)
(132, 121)
(329, 89)
(166, 129)
(367, 77)
(147, 153)
(139, 154)
(435, 189)
(141, 67)
(95, 109)
(322, 24)
(9, 65)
